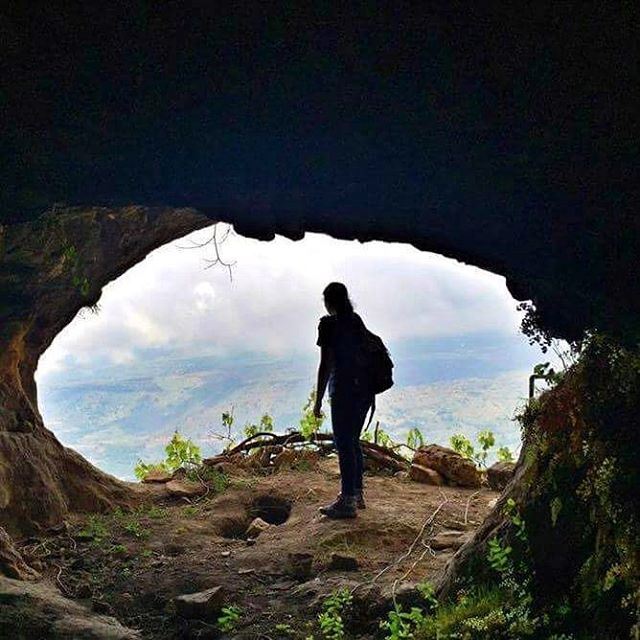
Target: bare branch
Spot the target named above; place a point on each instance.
(216, 241)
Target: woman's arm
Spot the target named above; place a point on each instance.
(324, 369)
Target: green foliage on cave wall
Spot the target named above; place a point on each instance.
(579, 495)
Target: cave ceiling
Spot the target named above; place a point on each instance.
(504, 138)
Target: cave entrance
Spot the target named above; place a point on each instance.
(200, 327)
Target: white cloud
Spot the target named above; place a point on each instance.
(274, 300)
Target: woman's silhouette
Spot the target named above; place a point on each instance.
(339, 334)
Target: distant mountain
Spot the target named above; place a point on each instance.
(114, 415)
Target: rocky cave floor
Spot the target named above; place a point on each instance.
(132, 565)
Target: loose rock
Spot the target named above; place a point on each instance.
(158, 476)
(449, 464)
(499, 474)
(418, 473)
(257, 526)
(204, 605)
(184, 488)
(448, 540)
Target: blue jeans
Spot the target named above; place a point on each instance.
(348, 413)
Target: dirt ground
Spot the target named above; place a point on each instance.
(132, 565)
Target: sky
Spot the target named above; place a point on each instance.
(272, 300)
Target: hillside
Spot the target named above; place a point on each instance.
(115, 415)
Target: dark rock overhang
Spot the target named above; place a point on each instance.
(503, 138)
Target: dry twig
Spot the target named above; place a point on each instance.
(412, 546)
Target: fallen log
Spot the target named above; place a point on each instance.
(383, 457)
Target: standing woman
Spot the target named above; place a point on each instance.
(338, 336)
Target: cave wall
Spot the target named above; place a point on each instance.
(50, 269)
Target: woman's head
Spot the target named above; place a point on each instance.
(336, 299)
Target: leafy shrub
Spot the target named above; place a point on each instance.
(401, 624)
(216, 480)
(504, 454)
(181, 452)
(415, 439)
(333, 608)
(143, 469)
(266, 425)
(486, 441)
(309, 424)
(229, 618)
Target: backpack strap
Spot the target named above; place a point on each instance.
(373, 410)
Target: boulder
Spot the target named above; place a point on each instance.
(257, 526)
(448, 463)
(184, 488)
(203, 605)
(499, 474)
(418, 473)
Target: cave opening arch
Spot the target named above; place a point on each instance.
(175, 343)
(69, 257)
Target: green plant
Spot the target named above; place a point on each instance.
(401, 625)
(487, 440)
(265, 426)
(283, 628)
(135, 529)
(415, 439)
(381, 437)
(309, 424)
(119, 549)
(181, 453)
(428, 593)
(499, 556)
(217, 481)
(78, 278)
(479, 454)
(154, 512)
(95, 529)
(331, 619)
(143, 469)
(461, 443)
(229, 618)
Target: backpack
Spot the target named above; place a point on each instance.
(374, 362)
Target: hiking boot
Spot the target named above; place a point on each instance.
(360, 503)
(341, 507)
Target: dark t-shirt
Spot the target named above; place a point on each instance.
(341, 333)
